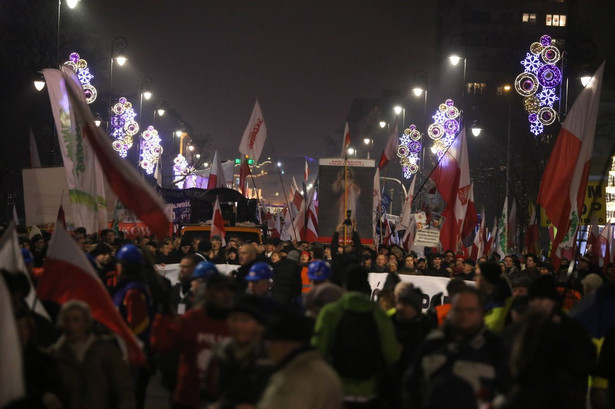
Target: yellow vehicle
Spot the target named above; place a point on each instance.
(243, 233)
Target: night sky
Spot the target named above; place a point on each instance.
(304, 60)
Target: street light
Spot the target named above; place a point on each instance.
(146, 83)
(454, 59)
(72, 3)
(179, 133)
(121, 60)
(586, 79)
(398, 109)
(97, 122)
(382, 124)
(191, 148)
(351, 151)
(417, 91)
(198, 156)
(118, 45)
(160, 111)
(39, 81)
(476, 130)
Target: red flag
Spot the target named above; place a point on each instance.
(130, 188)
(452, 178)
(297, 199)
(390, 150)
(311, 233)
(478, 247)
(345, 140)
(217, 224)
(61, 217)
(68, 275)
(471, 219)
(276, 231)
(564, 181)
(492, 237)
(593, 241)
(244, 172)
(216, 175)
(531, 236)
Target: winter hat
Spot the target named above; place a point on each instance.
(293, 255)
(252, 305)
(543, 287)
(491, 271)
(291, 326)
(204, 246)
(185, 242)
(412, 297)
(322, 295)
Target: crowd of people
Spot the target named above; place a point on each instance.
(297, 325)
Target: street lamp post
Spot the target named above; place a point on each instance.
(507, 89)
(454, 60)
(146, 83)
(118, 45)
(368, 142)
(401, 110)
(71, 4)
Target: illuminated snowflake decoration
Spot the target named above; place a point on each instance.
(547, 97)
(123, 126)
(531, 63)
(409, 150)
(181, 169)
(445, 127)
(80, 66)
(538, 83)
(150, 150)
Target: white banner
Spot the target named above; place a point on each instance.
(171, 271)
(83, 173)
(430, 286)
(254, 135)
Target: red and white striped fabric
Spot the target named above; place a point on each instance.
(406, 216)
(452, 178)
(130, 188)
(564, 181)
(68, 275)
(390, 150)
(216, 175)
(217, 223)
(478, 247)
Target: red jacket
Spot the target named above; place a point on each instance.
(194, 334)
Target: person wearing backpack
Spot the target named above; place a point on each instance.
(358, 339)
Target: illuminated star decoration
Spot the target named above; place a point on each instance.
(445, 127)
(150, 150)
(80, 66)
(538, 83)
(181, 169)
(123, 126)
(408, 150)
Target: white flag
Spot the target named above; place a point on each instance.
(406, 213)
(35, 160)
(83, 173)
(255, 134)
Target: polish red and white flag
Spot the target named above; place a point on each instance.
(68, 275)
(217, 223)
(564, 181)
(216, 175)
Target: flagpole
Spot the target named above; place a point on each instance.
(345, 192)
(275, 159)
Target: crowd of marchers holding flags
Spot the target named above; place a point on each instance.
(89, 318)
(297, 325)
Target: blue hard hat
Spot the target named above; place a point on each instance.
(27, 256)
(204, 269)
(130, 253)
(319, 270)
(260, 271)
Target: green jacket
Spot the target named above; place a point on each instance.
(325, 330)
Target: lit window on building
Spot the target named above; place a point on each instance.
(556, 20)
(528, 18)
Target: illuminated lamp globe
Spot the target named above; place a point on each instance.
(586, 79)
(39, 85)
(507, 87)
(72, 3)
(178, 133)
(161, 112)
(366, 141)
(351, 151)
(205, 164)
(382, 124)
(434, 150)
(97, 122)
(191, 148)
(417, 91)
(198, 155)
(121, 60)
(476, 131)
(147, 95)
(454, 59)
(397, 109)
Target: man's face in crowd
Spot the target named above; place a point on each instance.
(449, 257)
(103, 259)
(409, 262)
(186, 268)
(185, 249)
(466, 314)
(166, 248)
(110, 236)
(260, 287)
(459, 263)
(530, 262)
(216, 244)
(381, 260)
(244, 328)
(246, 254)
(437, 263)
(467, 268)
